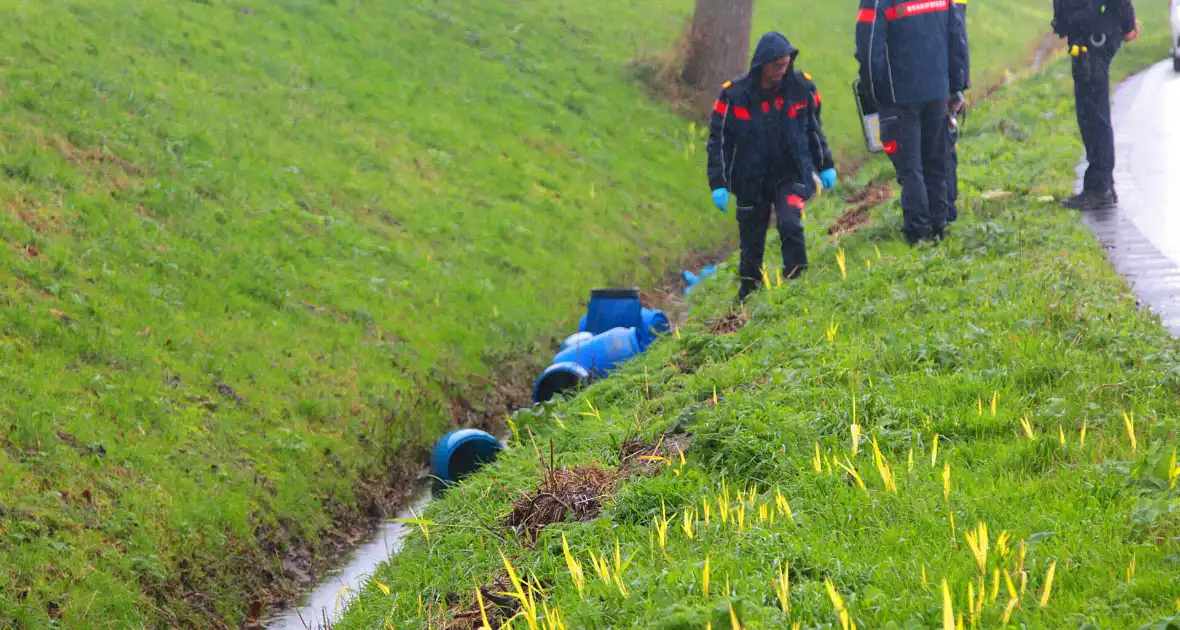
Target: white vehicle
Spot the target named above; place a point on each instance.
(1176, 35)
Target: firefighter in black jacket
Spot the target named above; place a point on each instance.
(766, 144)
(956, 103)
(1094, 31)
(913, 58)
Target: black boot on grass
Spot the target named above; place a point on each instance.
(1089, 201)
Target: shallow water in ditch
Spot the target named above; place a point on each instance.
(331, 595)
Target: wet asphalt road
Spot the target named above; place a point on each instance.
(1142, 235)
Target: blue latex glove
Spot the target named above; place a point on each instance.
(828, 178)
(721, 198)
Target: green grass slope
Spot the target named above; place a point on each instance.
(251, 252)
(1017, 417)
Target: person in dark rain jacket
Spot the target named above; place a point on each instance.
(766, 144)
(956, 104)
(1094, 30)
(913, 58)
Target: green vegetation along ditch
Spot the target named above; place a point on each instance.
(256, 255)
(1015, 464)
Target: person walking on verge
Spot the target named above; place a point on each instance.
(766, 143)
(956, 103)
(913, 58)
(1094, 30)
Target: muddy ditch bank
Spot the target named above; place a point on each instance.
(309, 590)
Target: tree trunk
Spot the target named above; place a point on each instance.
(719, 43)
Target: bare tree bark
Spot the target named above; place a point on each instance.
(719, 44)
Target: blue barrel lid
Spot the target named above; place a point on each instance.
(472, 446)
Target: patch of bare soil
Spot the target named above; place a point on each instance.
(565, 492)
(857, 216)
(579, 492)
(730, 323)
(638, 456)
(498, 608)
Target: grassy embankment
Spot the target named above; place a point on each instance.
(253, 254)
(1016, 460)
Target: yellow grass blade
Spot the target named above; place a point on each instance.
(1028, 430)
(575, 567)
(1082, 436)
(1008, 610)
(1173, 472)
(782, 587)
(483, 613)
(946, 482)
(384, 588)
(948, 608)
(1048, 591)
(1129, 422)
(934, 451)
(855, 436)
(705, 579)
(851, 469)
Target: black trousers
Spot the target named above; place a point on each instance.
(916, 137)
(753, 225)
(952, 178)
(1091, 85)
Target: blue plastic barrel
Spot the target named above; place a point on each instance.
(604, 352)
(557, 379)
(576, 339)
(613, 308)
(461, 452)
(655, 323)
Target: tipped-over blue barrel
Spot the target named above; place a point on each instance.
(557, 379)
(462, 452)
(613, 308)
(604, 352)
(655, 323)
(576, 339)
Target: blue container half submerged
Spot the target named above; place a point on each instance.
(462, 452)
(586, 360)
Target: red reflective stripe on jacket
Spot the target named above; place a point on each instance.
(765, 107)
(741, 113)
(795, 201)
(866, 16)
(721, 108)
(917, 7)
(817, 98)
(891, 147)
(778, 103)
(794, 111)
